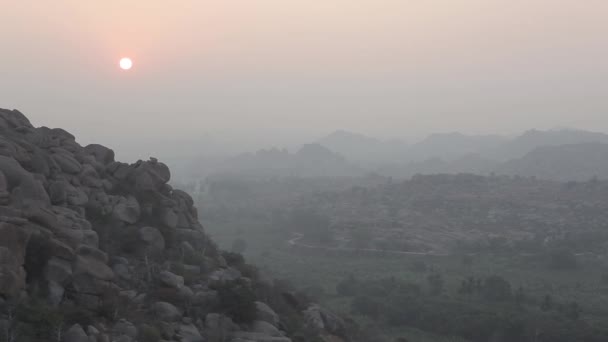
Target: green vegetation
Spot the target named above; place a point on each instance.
(544, 285)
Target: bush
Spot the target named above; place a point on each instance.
(366, 306)
(147, 333)
(347, 287)
(496, 288)
(237, 301)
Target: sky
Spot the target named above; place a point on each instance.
(263, 72)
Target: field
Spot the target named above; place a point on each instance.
(318, 272)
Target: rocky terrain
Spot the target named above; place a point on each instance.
(95, 250)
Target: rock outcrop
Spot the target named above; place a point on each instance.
(109, 251)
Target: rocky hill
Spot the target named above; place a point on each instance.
(310, 161)
(95, 250)
(574, 162)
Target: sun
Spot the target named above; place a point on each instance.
(125, 63)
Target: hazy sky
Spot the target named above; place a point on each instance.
(284, 70)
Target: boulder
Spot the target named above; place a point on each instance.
(257, 337)
(207, 298)
(93, 267)
(126, 328)
(122, 271)
(189, 333)
(75, 334)
(150, 175)
(321, 320)
(127, 210)
(58, 271)
(265, 328)
(4, 194)
(217, 325)
(167, 312)
(66, 162)
(220, 277)
(56, 293)
(101, 153)
(266, 314)
(171, 280)
(13, 246)
(152, 239)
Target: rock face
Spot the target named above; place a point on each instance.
(112, 241)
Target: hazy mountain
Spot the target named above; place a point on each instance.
(578, 162)
(361, 148)
(449, 146)
(532, 139)
(470, 163)
(311, 160)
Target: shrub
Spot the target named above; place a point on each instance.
(237, 301)
(147, 333)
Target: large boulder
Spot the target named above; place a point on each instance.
(150, 175)
(92, 266)
(101, 153)
(322, 321)
(58, 271)
(66, 161)
(127, 210)
(171, 280)
(222, 276)
(266, 314)
(189, 333)
(152, 239)
(13, 246)
(75, 334)
(265, 328)
(125, 328)
(4, 194)
(167, 312)
(257, 337)
(24, 187)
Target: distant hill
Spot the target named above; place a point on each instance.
(450, 146)
(470, 163)
(363, 149)
(532, 139)
(344, 153)
(578, 162)
(311, 160)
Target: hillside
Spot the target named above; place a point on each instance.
(574, 162)
(533, 139)
(311, 160)
(93, 249)
(363, 149)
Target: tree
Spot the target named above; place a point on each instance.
(496, 288)
(237, 301)
(366, 306)
(520, 295)
(348, 286)
(311, 223)
(435, 282)
(547, 303)
(572, 311)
